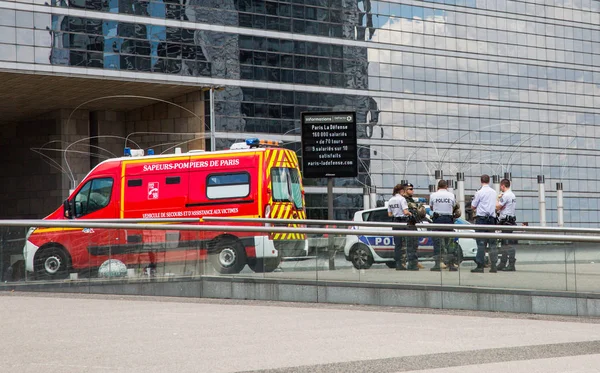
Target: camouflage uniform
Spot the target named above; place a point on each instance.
(412, 243)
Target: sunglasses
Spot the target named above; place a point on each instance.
(410, 189)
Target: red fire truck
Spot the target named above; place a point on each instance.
(252, 179)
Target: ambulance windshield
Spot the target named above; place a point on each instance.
(286, 185)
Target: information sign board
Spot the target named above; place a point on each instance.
(329, 147)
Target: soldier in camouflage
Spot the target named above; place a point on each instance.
(417, 211)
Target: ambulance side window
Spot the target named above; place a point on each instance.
(228, 185)
(93, 196)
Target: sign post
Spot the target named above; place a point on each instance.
(329, 149)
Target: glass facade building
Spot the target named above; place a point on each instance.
(472, 86)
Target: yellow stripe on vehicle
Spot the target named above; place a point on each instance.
(260, 184)
(287, 211)
(122, 207)
(50, 230)
(279, 157)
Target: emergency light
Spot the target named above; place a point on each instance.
(253, 143)
(150, 151)
(128, 152)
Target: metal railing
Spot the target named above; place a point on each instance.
(334, 231)
(392, 224)
(570, 264)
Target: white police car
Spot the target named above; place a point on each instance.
(364, 250)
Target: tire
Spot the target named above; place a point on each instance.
(228, 256)
(361, 257)
(51, 263)
(459, 255)
(390, 264)
(261, 265)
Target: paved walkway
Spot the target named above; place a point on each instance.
(103, 333)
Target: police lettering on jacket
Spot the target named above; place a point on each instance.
(397, 205)
(442, 202)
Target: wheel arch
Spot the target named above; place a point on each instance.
(359, 244)
(224, 236)
(57, 245)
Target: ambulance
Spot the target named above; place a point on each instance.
(255, 179)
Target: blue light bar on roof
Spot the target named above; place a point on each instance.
(253, 142)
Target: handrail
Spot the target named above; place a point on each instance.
(240, 228)
(140, 220)
(476, 227)
(391, 224)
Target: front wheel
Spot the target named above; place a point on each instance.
(459, 254)
(51, 263)
(228, 256)
(361, 257)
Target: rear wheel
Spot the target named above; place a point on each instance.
(260, 265)
(228, 256)
(361, 257)
(51, 263)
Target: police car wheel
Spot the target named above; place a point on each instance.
(51, 263)
(459, 254)
(390, 264)
(228, 256)
(361, 257)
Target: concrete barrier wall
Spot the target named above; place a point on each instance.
(422, 296)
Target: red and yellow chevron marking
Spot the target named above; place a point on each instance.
(283, 210)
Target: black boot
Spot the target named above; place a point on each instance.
(510, 267)
(501, 266)
(479, 269)
(493, 267)
(436, 266)
(400, 266)
(412, 266)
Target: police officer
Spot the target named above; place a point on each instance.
(485, 204)
(412, 243)
(506, 206)
(398, 210)
(442, 204)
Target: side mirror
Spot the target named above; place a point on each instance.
(67, 210)
(78, 209)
